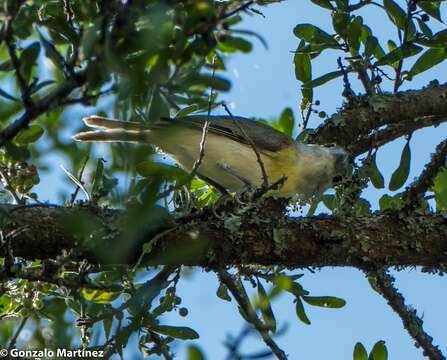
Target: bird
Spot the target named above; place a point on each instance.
(233, 150)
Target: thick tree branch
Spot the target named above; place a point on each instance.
(261, 235)
(382, 282)
(354, 127)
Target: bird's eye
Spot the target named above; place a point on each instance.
(337, 179)
(329, 145)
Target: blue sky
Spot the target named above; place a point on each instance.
(263, 85)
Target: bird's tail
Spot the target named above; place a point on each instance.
(113, 130)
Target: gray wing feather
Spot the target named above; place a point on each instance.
(263, 136)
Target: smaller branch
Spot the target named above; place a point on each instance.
(426, 178)
(13, 340)
(85, 99)
(348, 93)
(235, 11)
(392, 132)
(383, 283)
(81, 173)
(358, 66)
(398, 81)
(24, 89)
(9, 188)
(205, 128)
(48, 103)
(241, 297)
(265, 180)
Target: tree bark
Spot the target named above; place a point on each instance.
(261, 234)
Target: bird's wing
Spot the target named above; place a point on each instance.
(242, 130)
(264, 137)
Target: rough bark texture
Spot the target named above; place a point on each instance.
(385, 116)
(258, 235)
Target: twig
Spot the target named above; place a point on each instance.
(398, 81)
(205, 128)
(81, 172)
(241, 297)
(265, 180)
(425, 179)
(306, 117)
(49, 102)
(383, 283)
(9, 188)
(235, 11)
(348, 93)
(13, 340)
(24, 89)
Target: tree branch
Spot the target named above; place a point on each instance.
(237, 238)
(241, 298)
(48, 103)
(353, 125)
(382, 282)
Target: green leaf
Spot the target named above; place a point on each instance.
(287, 122)
(107, 325)
(97, 180)
(28, 60)
(354, 32)
(323, 3)
(395, 13)
(222, 292)
(398, 54)
(375, 175)
(340, 22)
(99, 296)
(29, 135)
(303, 67)
(307, 97)
(230, 44)
(438, 40)
(371, 45)
(325, 301)
(328, 201)
(150, 169)
(360, 352)
(300, 312)
(187, 110)
(424, 28)
(178, 332)
(216, 82)
(379, 351)
(391, 202)
(323, 79)
(88, 41)
(194, 353)
(51, 52)
(432, 8)
(400, 175)
(440, 189)
(158, 108)
(266, 308)
(314, 35)
(428, 59)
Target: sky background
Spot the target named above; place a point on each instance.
(263, 85)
